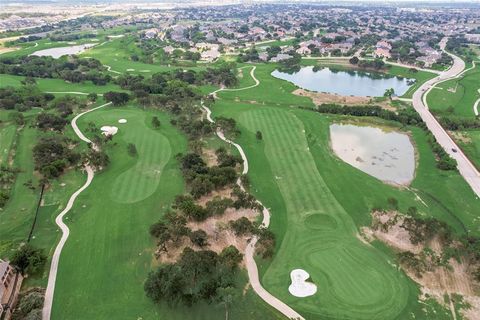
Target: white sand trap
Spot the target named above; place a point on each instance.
(109, 131)
(130, 69)
(300, 287)
(122, 121)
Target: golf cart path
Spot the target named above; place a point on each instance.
(464, 165)
(73, 92)
(475, 106)
(52, 276)
(250, 249)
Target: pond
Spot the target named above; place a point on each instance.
(62, 51)
(386, 155)
(345, 83)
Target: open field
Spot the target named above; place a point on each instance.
(109, 237)
(459, 95)
(115, 54)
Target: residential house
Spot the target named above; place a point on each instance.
(10, 282)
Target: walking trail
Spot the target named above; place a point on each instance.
(250, 250)
(475, 106)
(52, 276)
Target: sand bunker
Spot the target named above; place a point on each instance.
(122, 121)
(109, 131)
(300, 287)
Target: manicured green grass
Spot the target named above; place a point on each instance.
(17, 216)
(318, 203)
(457, 94)
(114, 53)
(7, 136)
(109, 252)
(270, 91)
(321, 235)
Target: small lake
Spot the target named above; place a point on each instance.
(386, 155)
(345, 83)
(62, 51)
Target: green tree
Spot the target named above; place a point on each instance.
(92, 97)
(258, 135)
(389, 93)
(28, 259)
(199, 238)
(132, 149)
(155, 122)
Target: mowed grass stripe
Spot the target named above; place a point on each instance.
(141, 180)
(311, 187)
(355, 280)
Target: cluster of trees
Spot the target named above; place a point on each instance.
(71, 68)
(203, 179)
(444, 61)
(52, 155)
(266, 239)
(456, 123)
(444, 161)
(7, 178)
(291, 65)
(57, 36)
(198, 276)
(404, 116)
(249, 55)
(459, 247)
(23, 98)
(460, 46)
(28, 259)
(116, 98)
(376, 64)
(49, 121)
(405, 51)
(30, 305)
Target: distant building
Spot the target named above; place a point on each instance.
(383, 49)
(473, 37)
(281, 57)
(10, 282)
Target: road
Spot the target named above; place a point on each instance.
(465, 166)
(52, 276)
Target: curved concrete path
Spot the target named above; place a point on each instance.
(52, 276)
(475, 106)
(250, 249)
(464, 165)
(73, 92)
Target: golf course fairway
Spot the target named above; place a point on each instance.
(353, 279)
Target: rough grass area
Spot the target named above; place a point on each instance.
(458, 95)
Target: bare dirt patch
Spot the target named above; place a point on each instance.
(460, 136)
(209, 157)
(323, 97)
(437, 280)
(219, 235)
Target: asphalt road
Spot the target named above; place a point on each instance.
(465, 166)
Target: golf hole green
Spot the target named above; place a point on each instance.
(319, 221)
